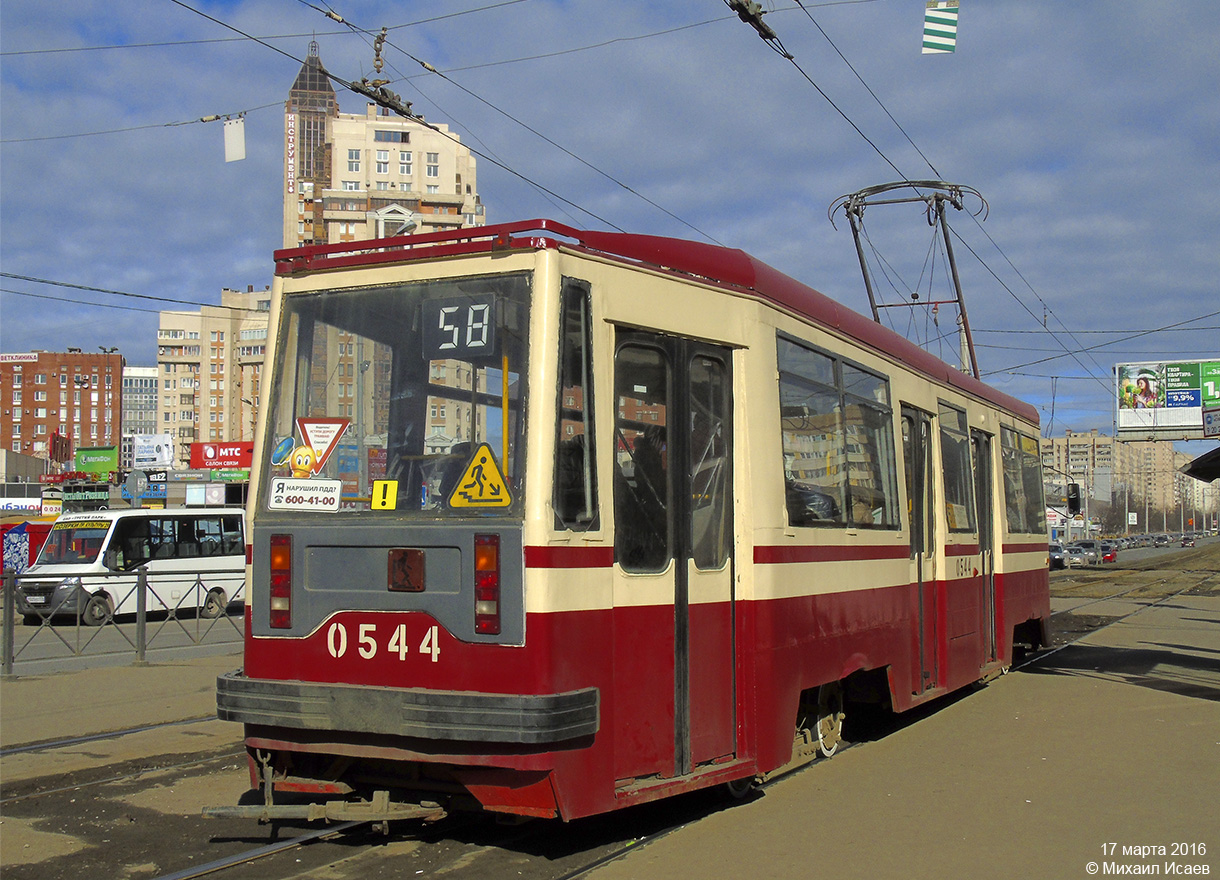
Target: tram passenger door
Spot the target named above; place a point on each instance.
(917, 456)
(980, 445)
(674, 653)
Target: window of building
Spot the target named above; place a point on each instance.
(432, 188)
(383, 161)
(353, 160)
(383, 184)
(433, 165)
(351, 185)
(392, 137)
(404, 164)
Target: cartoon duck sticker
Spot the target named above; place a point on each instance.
(304, 462)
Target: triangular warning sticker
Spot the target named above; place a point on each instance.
(322, 436)
(481, 484)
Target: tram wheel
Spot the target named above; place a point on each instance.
(830, 718)
(98, 610)
(214, 604)
(738, 789)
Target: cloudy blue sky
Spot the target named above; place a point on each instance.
(1091, 128)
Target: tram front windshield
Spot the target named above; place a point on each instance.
(394, 398)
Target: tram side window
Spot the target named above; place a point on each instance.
(837, 429)
(959, 478)
(575, 482)
(872, 478)
(709, 458)
(641, 482)
(1023, 500)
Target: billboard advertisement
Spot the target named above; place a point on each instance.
(98, 460)
(1167, 398)
(227, 454)
(152, 451)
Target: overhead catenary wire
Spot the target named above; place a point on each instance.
(204, 119)
(751, 13)
(311, 34)
(124, 293)
(433, 70)
(383, 97)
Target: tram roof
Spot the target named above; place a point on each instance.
(714, 264)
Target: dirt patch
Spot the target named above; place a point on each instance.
(23, 844)
(185, 795)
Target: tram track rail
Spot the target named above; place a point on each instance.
(1119, 594)
(49, 745)
(1043, 655)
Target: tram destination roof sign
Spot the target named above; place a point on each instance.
(1167, 400)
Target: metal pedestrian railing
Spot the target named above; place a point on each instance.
(83, 621)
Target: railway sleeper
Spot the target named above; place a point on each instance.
(378, 809)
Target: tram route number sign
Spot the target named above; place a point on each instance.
(297, 494)
(460, 327)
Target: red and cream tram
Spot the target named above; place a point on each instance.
(552, 522)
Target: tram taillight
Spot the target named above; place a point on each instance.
(281, 581)
(487, 584)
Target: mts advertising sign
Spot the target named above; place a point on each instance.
(237, 454)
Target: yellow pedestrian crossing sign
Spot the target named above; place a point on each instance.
(481, 484)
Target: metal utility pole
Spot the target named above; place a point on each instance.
(941, 194)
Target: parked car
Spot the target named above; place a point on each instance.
(1056, 556)
(1160, 541)
(1109, 552)
(1075, 556)
(1188, 540)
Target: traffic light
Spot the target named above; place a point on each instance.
(1073, 498)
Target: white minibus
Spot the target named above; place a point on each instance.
(195, 560)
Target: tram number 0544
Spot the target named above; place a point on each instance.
(367, 643)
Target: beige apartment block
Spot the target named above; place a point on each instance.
(209, 366)
(355, 176)
(1139, 475)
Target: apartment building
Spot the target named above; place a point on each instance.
(209, 366)
(74, 394)
(353, 176)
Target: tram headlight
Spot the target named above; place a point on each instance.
(487, 584)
